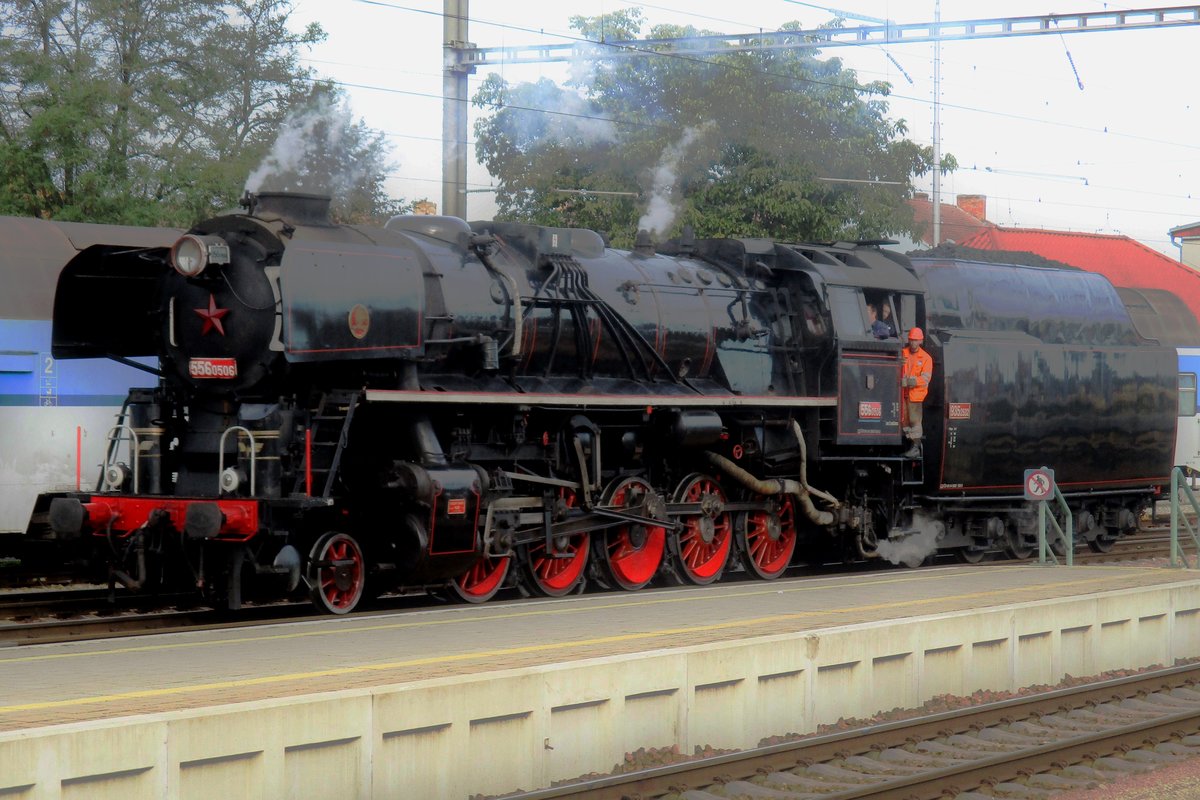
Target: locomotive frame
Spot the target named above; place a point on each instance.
(464, 407)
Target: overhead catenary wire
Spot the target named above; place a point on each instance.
(759, 72)
(1100, 130)
(1070, 59)
(667, 126)
(763, 73)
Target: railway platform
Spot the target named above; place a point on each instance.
(451, 701)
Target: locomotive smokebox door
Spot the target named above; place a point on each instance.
(869, 398)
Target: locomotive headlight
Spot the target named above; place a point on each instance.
(115, 476)
(231, 479)
(192, 253)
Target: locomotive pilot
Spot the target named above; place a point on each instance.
(918, 370)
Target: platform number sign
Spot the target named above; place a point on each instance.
(1039, 484)
(47, 380)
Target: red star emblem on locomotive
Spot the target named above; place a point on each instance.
(212, 316)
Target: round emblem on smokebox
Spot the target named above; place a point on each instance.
(360, 321)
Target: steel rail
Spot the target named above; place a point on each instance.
(745, 765)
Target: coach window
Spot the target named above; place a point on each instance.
(1187, 394)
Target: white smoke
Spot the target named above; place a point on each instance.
(912, 550)
(572, 119)
(313, 153)
(664, 179)
(585, 60)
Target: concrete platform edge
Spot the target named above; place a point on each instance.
(498, 731)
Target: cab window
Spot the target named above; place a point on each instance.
(849, 313)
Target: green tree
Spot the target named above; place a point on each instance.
(146, 111)
(776, 143)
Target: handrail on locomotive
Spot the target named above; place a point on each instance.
(229, 482)
(112, 472)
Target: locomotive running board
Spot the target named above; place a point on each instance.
(578, 401)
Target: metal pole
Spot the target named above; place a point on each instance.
(454, 107)
(1174, 516)
(1178, 485)
(1041, 507)
(937, 126)
(1066, 532)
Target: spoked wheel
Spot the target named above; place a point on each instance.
(767, 541)
(559, 571)
(336, 573)
(700, 549)
(481, 582)
(632, 552)
(1015, 544)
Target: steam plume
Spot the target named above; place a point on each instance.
(315, 152)
(575, 120)
(912, 550)
(663, 208)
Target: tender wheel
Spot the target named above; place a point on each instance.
(1015, 545)
(767, 541)
(561, 572)
(700, 549)
(1103, 541)
(632, 553)
(969, 555)
(481, 582)
(336, 573)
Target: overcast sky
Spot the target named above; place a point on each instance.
(1120, 155)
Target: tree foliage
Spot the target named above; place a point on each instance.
(778, 143)
(151, 112)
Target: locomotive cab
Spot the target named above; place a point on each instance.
(856, 280)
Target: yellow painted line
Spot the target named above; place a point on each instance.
(557, 608)
(508, 651)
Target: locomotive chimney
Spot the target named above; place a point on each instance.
(687, 242)
(643, 243)
(293, 207)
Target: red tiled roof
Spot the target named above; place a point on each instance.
(1124, 261)
(956, 223)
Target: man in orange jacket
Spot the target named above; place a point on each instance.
(918, 370)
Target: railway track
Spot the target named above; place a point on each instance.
(129, 622)
(1148, 545)
(40, 616)
(29, 619)
(1024, 747)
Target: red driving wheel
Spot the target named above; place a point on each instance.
(769, 540)
(701, 547)
(559, 571)
(481, 582)
(632, 552)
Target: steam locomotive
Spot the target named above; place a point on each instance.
(459, 407)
